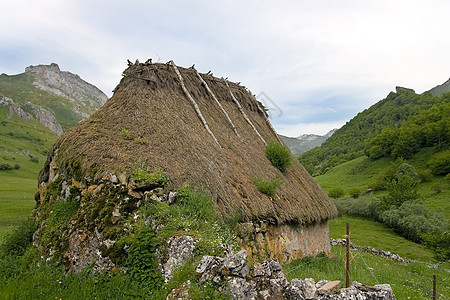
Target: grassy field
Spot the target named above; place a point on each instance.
(24, 144)
(409, 281)
(365, 232)
(360, 172)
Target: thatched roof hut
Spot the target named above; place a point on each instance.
(151, 121)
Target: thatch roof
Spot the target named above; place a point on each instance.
(151, 105)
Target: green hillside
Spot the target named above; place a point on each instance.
(23, 147)
(29, 116)
(390, 164)
(20, 88)
(353, 138)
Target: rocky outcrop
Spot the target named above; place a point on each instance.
(29, 111)
(266, 280)
(179, 249)
(71, 86)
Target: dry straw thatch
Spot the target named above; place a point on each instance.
(151, 105)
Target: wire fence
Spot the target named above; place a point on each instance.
(410, 279)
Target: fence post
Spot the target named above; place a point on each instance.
(347, 262)
(434, 287)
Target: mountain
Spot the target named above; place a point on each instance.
(355, 137)
(305, 142)
(441, 89)
(35, 108)
(55, 98)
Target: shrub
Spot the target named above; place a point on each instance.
(439, 164)
(354, 192)
(336, 193)
(365, 206)
(267, 187)
(34, 159)
(425, 175)
(16, 166)
(375, 152)
(382, 180)
(5, 166)
(439, 244)
(411, 220)
(142, 262)
(403, 187)
(16, 242)
(278, 155)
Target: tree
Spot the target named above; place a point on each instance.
(403, 187)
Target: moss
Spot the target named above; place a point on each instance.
(140, 175)
(267, 187)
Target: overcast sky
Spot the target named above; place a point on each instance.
(315, 64)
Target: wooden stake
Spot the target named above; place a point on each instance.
(267, 119)
(243, 113)
(197, 110)
(217, 101)
(347, 262)
(434, 287)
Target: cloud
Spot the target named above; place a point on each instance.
(320, 61)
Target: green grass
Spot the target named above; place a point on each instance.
(360, 172)
(365, 232)
(356, 173)
(17, 187)
(20, 88)
(409, 281)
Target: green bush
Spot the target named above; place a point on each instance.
(365, 206)
(375, 152)
(425, 175)
(279, 155)
(403, 186)
(16, 166)
(439, 244)
(411, 220)
(142, 261)
(5, 166)
(16, 242)
(336, 193)
(267, 187)
(439, 164)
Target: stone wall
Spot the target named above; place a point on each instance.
(284, 243)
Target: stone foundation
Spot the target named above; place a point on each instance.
(284, 243)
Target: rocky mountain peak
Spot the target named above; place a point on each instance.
(71, 86)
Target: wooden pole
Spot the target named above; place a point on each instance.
(434, 287)
(217, 101)
(197, 110)
(267, 120)
(243, 113)
(347, 262)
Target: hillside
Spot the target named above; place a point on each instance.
(305, 142)
(353, 139)
(35, 107)
(441, 89)
(55, 98)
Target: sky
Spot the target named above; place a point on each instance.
(314, 64)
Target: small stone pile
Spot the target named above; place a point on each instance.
(382, 253)
(266, 280)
